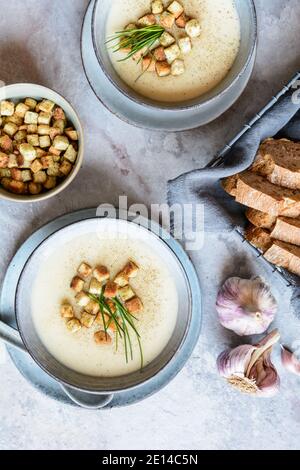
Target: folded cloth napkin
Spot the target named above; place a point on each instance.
(221, 212)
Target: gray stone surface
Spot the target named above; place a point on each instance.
(40, 42)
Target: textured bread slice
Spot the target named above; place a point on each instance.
(260, 219)
(287, 230)
(279, 162)
(256, 192)
(230, 184)
(284, 255)
(259, 238)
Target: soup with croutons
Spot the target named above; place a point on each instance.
(173, 51)
(104, 306)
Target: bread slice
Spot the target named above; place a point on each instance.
(279, 162)
(260, 219)
(256, 192)
(230, 184)
(259, 238)
(287, 230)
(284, 255)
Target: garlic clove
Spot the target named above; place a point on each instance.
(290, 361)
(246, 306)
(249, 368)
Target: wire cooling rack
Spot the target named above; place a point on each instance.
(289, 279)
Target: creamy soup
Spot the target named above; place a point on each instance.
(212, 56)
(154, 285)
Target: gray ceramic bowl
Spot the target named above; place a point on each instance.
(248, 20)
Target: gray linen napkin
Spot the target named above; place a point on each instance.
(221, 212)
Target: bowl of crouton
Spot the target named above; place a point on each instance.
(175, 55)
(41, 143)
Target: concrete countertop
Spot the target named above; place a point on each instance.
(40, 42)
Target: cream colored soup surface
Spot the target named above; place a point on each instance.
(154, 285)
(208, 63)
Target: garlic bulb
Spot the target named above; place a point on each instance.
(290, 361)
(246, 306)
(249, 368)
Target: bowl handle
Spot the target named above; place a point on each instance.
(90, 401)
(11, 336)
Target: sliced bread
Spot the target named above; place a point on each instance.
(259, 238)
(230, 184)
(287, 230)
(279, 162)
(260, 219)
(256, 192)
(284, 255)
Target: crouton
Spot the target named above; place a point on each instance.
(177, 67)
(50, 182)
(10, 128)
(31, 117)
(167, 20)
(166, 39)
(102, 337)
(12, 161)
(26, 176)
(16, 174)
(126, 293)
(193, 28)
(163, 69)
(20, 136)
(73, 325)
(59, 124)
(95, 286)
(46, 106)
(33, 139)
(82, 299)
(3, 160)
(121, 279)
(65, 168)
(111, 289)
(35, 188)
(6, 183)
(58, 113)
(54, 170)
(131, 269)
(5, 173)
(32, 129)
(92, 307)
(7, 108)
(147, 20)
(40, 152)
(148, 64)
(54, 151)
(36, 166)
(101, 273)
(185, 45)
(71, 133)
(40, 177)
(31, 103)
(134, 305)
(53, 132)
(22, 162)
(61, 142)
(157, 7)
(176, 9)
(77, 284)
(70, 154)
(44, 141)
(87, 319)
(66, 311)
(17, 187)
(159, 54)
(43, 129)
(21, 109)
(84, 270)
(15, 119)
(28, 152)
(172, 53)
(181, 21)
(47, 161)
(6, 143)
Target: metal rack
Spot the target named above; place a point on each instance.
(221, 156)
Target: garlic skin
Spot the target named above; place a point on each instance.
(290, 361)
(246, 306)
(249, 368)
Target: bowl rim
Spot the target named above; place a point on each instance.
(178, 257)
(169, 107)
(6, 195)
